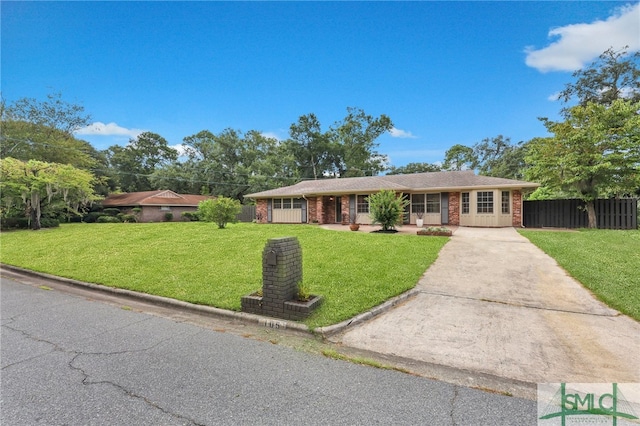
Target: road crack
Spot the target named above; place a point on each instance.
(87, 382)
(454, 398)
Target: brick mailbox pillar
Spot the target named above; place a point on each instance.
(281, 273)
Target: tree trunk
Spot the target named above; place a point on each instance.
(591, 214)
(35, 210)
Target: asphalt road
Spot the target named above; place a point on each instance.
(72, 360)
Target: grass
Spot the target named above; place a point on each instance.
(198, 263)
(607, 262)
(333, 354)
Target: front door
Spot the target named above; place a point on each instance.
(338, 209)
(444, 209)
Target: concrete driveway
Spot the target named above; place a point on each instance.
(494, 303)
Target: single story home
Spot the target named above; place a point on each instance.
(441, 198)
(155, 205)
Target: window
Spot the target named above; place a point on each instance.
(433, 203)
(417, 203)
(465, 203)
(363, 204)
(485, 201)
(287, 203)
(505, 202)
(165, 208)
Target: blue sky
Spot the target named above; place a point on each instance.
(445, 72)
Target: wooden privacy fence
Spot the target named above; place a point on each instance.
(247, 214)
(610, 214)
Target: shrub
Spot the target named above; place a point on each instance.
(222, 210)
(387, 209)
(168, 217)
(14, 223)
(107, 219)
(46, 222)
(128, 218)
(111, 211)
(92, 217)
(190, 216)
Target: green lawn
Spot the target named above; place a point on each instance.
(607, 262)
(198, 263)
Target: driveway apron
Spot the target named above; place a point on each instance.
(495, 303)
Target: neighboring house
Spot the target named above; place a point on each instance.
(155, 205)
(443, 198)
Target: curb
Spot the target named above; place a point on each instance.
(270, 322)
(167, 302)
(330, 330)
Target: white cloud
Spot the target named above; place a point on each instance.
(271, 135)
(402, 134)
(112, 129)
(579, 44)
(554, 97)
(182, 151)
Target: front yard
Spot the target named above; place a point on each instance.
(198, 263)
(607, 262)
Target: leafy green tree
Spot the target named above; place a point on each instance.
(414, 168)
(43, 131)
(221, 210)
(498, 157)
(387, 209)
(36, 184)
(310, 147)
(615, 75)
(595, 152)
(460, 157)
(230, 164)
(353, 144)
(133, 165)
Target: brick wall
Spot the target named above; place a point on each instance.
(261, 210)
(155, 214)
(319, 210)
(454, 208)
(345, 209)
(312, 210)
(516, 208)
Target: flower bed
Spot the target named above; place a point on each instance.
(437, 231)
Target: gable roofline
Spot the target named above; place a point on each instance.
(429, 181)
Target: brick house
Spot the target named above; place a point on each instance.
(442, 198)
(155, 205)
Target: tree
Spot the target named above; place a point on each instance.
(222, 210)
(36, 183)
(498, 157)
(134, 164)
(615, 75)
(387, 209)
(310, 146)
(595, 152)
(353, 144)
(33, 130)
(459, 157)
(414, 168)
(230, 164)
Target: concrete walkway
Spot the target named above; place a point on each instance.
(494, 303)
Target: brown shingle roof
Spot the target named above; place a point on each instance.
(153, 198)
(444, 181)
